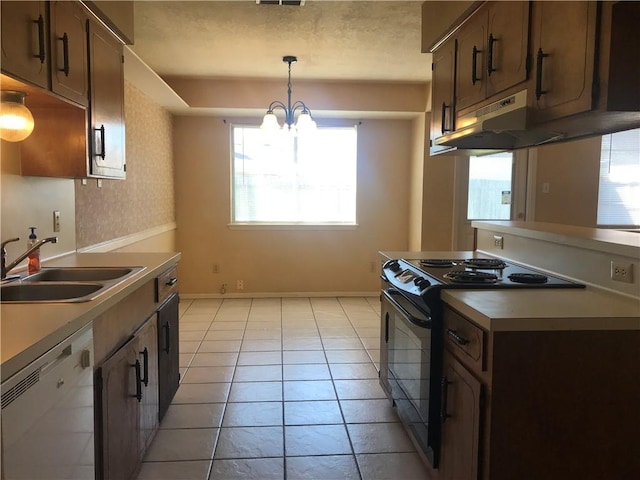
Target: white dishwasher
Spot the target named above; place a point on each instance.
(47, 414)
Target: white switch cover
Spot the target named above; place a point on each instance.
(56, 220)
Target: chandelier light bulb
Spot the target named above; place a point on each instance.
(16, 121)
(270, 122)
(305, 122)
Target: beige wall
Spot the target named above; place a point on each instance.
(146, 198)
(285, 261)
(417, 175)
(572, 171)
(30, 201)
(438, 200)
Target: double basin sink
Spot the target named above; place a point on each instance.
(65, 284)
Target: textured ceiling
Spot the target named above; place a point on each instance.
(333, 40)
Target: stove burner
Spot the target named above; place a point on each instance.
(436, 262)
(484, 263)
(533, 278)
(466, 276)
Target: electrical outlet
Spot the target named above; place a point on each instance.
(240, 285)
(223, 288)
(56, 220)
(215, 268)
(498, 241)
(372, 267)
(622, 272)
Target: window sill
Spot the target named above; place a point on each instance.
(291, 226)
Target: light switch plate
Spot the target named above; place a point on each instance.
(56, 220)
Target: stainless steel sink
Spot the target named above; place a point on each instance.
(80, 274)
(49, 292)
(65, 284)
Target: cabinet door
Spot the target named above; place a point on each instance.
(507, 45)
(119, 380)
(461, 423)
(107, 143)
(168, 353)
(69, 62)
(564, 58)
(442, 93)
(147, 348)
(24, 41)
(470, 71)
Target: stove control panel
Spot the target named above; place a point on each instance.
(403, 277)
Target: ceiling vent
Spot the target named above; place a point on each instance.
(297, 3)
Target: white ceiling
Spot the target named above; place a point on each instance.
(333, 40)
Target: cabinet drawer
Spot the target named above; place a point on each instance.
(464, 339)
(166, 283)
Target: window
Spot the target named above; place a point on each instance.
(489, 195)
(287, 179)
(619, 189)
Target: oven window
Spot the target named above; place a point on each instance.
(410, 356)
(410, 364)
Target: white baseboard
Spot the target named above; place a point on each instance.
(192, 296)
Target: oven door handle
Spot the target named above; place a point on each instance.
(389, 292)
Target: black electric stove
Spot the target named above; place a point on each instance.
(425, 277)
(487, 272)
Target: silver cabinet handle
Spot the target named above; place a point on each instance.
(458, 338)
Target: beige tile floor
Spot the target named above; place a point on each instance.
(280, 388)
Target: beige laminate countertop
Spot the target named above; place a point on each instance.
(588, 308)
(546, 309)
(27, 330)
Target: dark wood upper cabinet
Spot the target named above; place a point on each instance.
(71, 68)
(564, 48)
(69, 60)
(492, 51)
(507, 45)
(442, 99)
(470, 72)
(25, 48)
(106, 107)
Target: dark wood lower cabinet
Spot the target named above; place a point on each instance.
(531, 405)
(116, 381)
(168, 358)
(148, 356)
(461, 422)
(136, 374)
(127, 394)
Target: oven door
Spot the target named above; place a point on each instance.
(412, 378)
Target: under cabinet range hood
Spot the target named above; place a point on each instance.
(501, 125)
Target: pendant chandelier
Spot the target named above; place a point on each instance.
(304, 120)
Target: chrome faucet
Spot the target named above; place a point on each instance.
(7, 268)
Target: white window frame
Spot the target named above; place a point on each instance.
(288, 224)
(625, 177)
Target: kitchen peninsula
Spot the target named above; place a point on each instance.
(538, 383)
